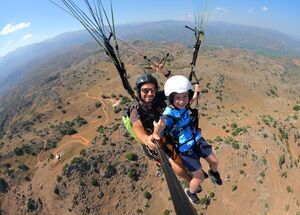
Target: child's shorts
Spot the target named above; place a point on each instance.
(191, 157)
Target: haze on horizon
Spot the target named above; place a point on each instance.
(23, 23)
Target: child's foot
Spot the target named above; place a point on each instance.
(199, 189)
(192, 196)
(215, 176)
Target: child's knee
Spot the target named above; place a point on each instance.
(213, 160)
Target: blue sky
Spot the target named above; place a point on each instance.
(23, 22)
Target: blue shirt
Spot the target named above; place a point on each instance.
(182, 130)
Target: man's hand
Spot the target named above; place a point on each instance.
(150, 142)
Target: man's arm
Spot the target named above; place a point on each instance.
(142, 135)
(196, 94)
(137, 127)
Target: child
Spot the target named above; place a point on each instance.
(177, 122)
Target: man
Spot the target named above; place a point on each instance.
(147, 111)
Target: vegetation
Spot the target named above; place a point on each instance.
(18, 151)
(205, 201)
(79, 121)
(296, 108)
(31, 205)
(95, 182)
(133, 174)
(3, 186)
(131, 156)
(110, 171)
(281, 160)
(147, 195)
(283, 134)
(98, 104)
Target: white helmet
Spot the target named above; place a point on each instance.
(177, 84)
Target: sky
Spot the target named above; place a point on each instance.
(23, 22)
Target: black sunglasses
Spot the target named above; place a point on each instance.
(147, 90)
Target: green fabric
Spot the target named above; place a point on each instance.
(128, 126)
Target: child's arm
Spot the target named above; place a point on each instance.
(158, 128)
(196, 93)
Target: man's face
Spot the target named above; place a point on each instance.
(148, 92)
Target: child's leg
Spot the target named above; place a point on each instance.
(180, 170)
(213, 162)
(198, 177)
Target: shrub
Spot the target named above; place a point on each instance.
(289, 189)
(98, 104)
(83, 152)
(284, 175)
(100, 129)
(110, 171)
(218, 139)
(281, 160)
(79, 121)
(117, 109)
(95, 182)
(133, 174)
(124, 100)
(283, 134)
(233, 125)
(139, 211)
(234, 187)
(3, 186)
(19, 151)
(205, 201)
(147, 195)
(23, 167)
(131, 156)
(56, 190)
(58, 178)
(296, 107)
(31, 205)
(235, 145)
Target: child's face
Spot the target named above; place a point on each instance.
(181, 100)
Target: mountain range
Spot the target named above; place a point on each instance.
(17, 64)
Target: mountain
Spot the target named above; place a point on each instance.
(269, 42)
(15, 64)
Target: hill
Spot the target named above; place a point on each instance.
(64, 149)
(17, 64)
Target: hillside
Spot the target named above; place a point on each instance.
(64, 149)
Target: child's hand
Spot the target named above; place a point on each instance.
(158, 128)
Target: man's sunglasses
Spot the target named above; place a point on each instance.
(147, 90)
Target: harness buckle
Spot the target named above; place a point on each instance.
(189, 151)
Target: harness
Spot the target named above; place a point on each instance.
(176, 129)
(147, 116)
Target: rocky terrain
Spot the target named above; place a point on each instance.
(64, 149)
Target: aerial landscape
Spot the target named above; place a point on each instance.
(65, 150)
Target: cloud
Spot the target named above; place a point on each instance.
(9, 43)
(27, 36)
(221, 9)
(10, 28)
(251, 10)
(264, 8)
(187, 17)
